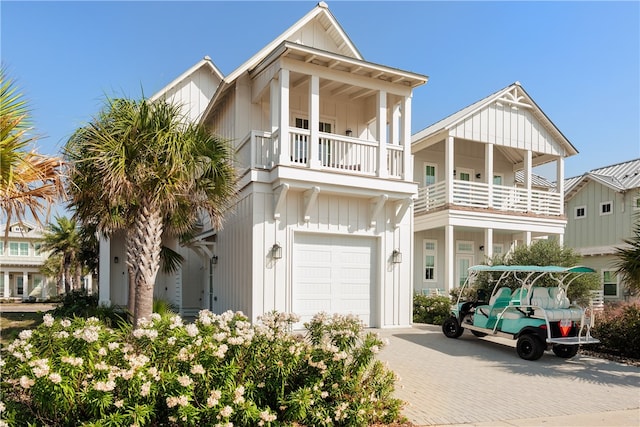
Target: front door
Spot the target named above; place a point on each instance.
(463, 262)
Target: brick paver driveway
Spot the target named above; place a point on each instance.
(470, 380)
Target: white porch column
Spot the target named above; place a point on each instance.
(488, 242)
(405, 138)
(43, 287)
(449, 259)
(395, 126)
(25, 284)
(560, 182)
(314, 122)
(104, 280)
(274, 103)
(527, 177)
(488, 171)
(6, 292)
(527, 238)
(283, 116)
(381, 130)
(561, 239)
(448, 169)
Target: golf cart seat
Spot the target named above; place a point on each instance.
(556, 308)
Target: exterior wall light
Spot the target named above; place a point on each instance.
(116, 260)
(276, 251)
(396, 256)
(348, 132)
(214, 259)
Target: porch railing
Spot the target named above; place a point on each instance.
(500, 197)
(260, 150)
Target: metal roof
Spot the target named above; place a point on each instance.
(620, 177)
(536, 180)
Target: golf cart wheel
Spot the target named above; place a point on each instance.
(530, 347)
(565, 351)
(479, 334)
(451, 328)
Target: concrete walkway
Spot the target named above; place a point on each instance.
(476, 382)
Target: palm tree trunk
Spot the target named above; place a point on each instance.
(67, 275)
(147, 237)
(131, 263)
(78, 276)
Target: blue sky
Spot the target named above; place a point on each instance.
(580, 61)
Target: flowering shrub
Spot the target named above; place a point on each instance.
(618, 329)
(219, 370)
(431, 309)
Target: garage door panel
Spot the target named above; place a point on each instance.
(333, 274)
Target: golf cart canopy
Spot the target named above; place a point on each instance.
(532, 268)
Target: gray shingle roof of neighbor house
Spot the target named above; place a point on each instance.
(536, 180)
(619, 177)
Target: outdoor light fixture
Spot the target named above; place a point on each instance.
(116, 260)
(396, 256)
(214, 259)
(276, 251)
(482, 247)
(478, 176)
(349, 132)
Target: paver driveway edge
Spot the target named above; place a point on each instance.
(482, 381)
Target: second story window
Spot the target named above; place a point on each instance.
(429, 174)
(304, 124)
(580, 212)
(606, 208)
(636, 204)
(37, 247)
(18, 249)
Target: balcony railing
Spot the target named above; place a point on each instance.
(260, 150)
(499, 197)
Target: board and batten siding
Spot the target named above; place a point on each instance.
(223, 122)
(502, 125)
(331, 214)
(194, 93)
(597, 230)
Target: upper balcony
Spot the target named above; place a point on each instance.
(481, 196)
(329, 153)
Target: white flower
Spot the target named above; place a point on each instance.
(73, 361)
(26, 334)
(266, 416)
(185, 381)
(192, 330)
(55, 378)
(197, 370)
(113, 345)
(47, 320)
(144, 390)
(104, 385)
(226, 411)
(213, 398)
(2, 407)
(238, 395)
(26, 382)
(118, 403)
(65, 323)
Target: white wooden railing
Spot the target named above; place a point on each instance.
(479, 195)
(260, 150)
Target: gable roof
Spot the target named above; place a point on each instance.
(536, 180)
(620, 177)
(513, 95)
(205, 62)
(320, 13)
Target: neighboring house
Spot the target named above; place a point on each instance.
(478, 195)
(602, 206)
(323, 220)
(20, 263)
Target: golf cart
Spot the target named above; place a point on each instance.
(539, 317)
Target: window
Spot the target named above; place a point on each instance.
(580, 212)
(36, 249)
(18, 249)
(636, 204)
(429, 256)
(304, 124)
(498, 249)
(610, 283)
(464, 247)
(606, 208)
(497, 179)
(429, 174)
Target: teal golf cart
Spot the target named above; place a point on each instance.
(519, 308)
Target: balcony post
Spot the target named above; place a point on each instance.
(448, 169)
(449, 259)
(381, 130)
(488, 171)
(488, 242)
(405, 140)
(314, 123)
(6, 292)
(527, 177)
(283, 116)
(560, 182)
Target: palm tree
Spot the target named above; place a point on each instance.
(628, 260)
(29, 182)
(63, 238)
(139, 167)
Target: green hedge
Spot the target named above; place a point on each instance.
(431, 309)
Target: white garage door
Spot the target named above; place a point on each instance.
(334, 274)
